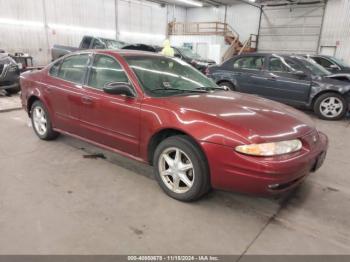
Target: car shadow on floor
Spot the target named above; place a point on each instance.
(257, 205)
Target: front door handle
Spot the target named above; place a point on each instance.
(87, 100)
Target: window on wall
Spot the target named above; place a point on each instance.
(249, 62)
(106, 69)
(73, 68)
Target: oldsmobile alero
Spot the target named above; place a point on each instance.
(163, 112)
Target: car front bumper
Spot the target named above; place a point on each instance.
(263, 175)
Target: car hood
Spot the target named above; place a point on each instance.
(255, 119)
(331, 80)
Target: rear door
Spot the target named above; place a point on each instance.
(110, 120)
(248, 71)
(286, 82)
(64, 87)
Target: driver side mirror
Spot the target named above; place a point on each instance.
(333, 66)
(299, 73)
(119, 88)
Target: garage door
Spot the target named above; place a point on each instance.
(291, 29)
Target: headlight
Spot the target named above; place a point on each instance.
(271, 149)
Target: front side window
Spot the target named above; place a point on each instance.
(106, 69)
(282, 64)
(54, 68)
(323, 62)
(249, 62)
(165, 76)
(73, 68)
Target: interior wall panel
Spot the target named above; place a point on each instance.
(34, 26)
(22, 28)
(336, 29)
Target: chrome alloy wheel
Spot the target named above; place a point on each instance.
(40, 120)
(176, 170)
(331, 107)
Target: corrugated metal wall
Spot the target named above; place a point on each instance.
(291, 29)
(26, 27)
(336, 29)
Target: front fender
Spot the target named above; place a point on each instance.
(320, 88)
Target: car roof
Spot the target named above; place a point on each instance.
(124, 52)
(268, 54)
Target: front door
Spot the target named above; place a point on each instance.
(110, 120)
(286, 82)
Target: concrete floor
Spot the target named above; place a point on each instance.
(55, 201)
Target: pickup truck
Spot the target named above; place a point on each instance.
(88, 42)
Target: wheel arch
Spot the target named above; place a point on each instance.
(30, 102)
(324, 92)
(162, 134)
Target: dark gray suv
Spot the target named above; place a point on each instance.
(289, 79)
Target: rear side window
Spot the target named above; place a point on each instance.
(249, 62)
(106, 69)
(73, 68)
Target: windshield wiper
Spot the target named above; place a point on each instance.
(181, 90)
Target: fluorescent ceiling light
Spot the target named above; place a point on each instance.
(81, 29)
(7, 21)
(126, 33)
(253, 1)
(191, 2)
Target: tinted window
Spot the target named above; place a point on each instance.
(85, 44)
(106, 69)
(73, 68)
(323, 62)
(280, 64)
(54, 69)
(249, 62)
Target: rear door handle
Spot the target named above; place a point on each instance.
(87, 100)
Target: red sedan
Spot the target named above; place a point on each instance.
(161, 111)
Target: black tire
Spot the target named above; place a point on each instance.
(49, 134)
(13, 90)
(201, 180)
(227, 84)
(326, 97)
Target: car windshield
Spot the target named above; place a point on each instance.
(339, 62)
(112, 44)
(165, 76)
(189, 53)
(311, 65)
